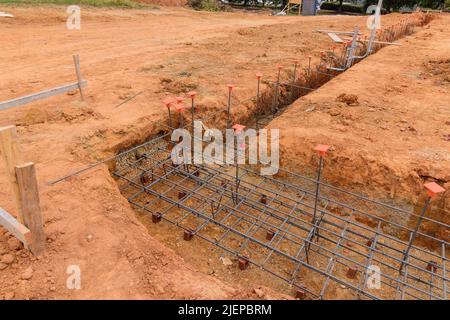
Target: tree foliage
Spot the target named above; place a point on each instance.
(392, 5)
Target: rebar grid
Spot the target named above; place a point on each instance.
(269, 223)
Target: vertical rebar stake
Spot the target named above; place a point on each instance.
(238, 128)
(277, 86)
(414, 233)
(433, 190)
(180, 108)
(332, 48)
(343, 54)
(237, 177)
(192, 95)
(258, 77)
(230, 88)
(309, 72)
(168, 103)
(322, 151)
(322, 60)
(294, 79)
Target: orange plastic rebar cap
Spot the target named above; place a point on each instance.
(259, 75)
(192, 94)
(167, 102)
(322, 149)
(238, 128)
(230, 86)
(433, 189)
(180, 107)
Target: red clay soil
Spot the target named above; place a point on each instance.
(161, 52)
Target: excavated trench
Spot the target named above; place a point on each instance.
(162, 192)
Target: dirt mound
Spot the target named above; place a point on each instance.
(33, 116)
(349, 99)
(439, 68)
(177, 86)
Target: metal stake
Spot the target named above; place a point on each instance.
(192, 94)
(433, 189)
(168, 103)
(258, 77)
(230, 88)
(322, 151)
(275, 97)
(294, 79)
(238, 128)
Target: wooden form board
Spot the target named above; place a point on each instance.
(15, 227)
(41, 95)
(335, 37)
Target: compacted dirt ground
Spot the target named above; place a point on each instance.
(167, 52)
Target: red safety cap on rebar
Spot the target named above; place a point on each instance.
(179, 99)
(296, 61)
(238, 128)
(280, 67)
(192, 94)
(259, 75)
(167, 102)
(180, 107)
(433, 189)
(322, 149)
(230, 86)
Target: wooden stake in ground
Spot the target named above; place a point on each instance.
(31, 209)
(76, 61)
(10, 153)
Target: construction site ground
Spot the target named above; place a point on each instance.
(396, 135)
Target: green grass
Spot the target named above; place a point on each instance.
(94, 3)
(210, 5)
